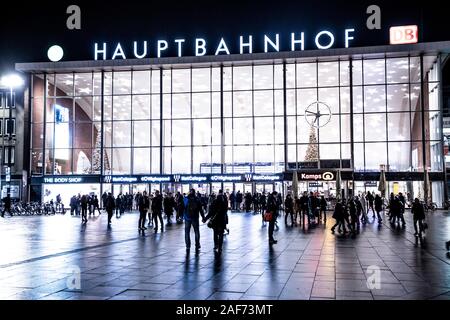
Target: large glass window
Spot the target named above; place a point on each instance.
(133, 114)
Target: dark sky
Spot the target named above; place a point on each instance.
(29, 29)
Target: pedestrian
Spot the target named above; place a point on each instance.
(272, 208)
(218, 215)
(78, 205)
(353, 216)
(179, 199)
(193, 210)
(304, 205)
(289, 209)
(73, 205)
(370, 200)
(96, 205)
(143, 206)
(150, 217)
(7, 205)
(118, 204)
(297, 210)
(378, 207)
(238, 200)
(84, 205)
(233, 201)
(157, 211)
(338, 215)
(323, 209)
(418, 212)
(110, 204)
(104, 197)
(169, 205)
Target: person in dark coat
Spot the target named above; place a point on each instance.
(180, 206)
(110, 204)
(418, 212)
(7, 205)
(370, 199)
(323, 208)
(118, 204)
(104, 196)
(157, 207)
(96, 204)
(169, 205)
(262, 203)
(338, 215)
(378, 207)
(143, 206)
(218, 214)
(73, 205)
(353, 216)
(289, 209)
(192, 212)
(84, 205)
(304, 205)
(272, 206)
(233, 201)
(238, 200)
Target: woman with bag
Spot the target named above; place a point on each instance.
(218, 219)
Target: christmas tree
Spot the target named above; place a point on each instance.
(96, 157)
(312, 153)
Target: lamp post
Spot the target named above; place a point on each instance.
(12, 81)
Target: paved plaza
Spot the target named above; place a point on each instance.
(40, 253)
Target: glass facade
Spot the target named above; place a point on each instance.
(240, 118)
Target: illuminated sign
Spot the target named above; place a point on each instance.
(63, 180)
(326, 176)
(155, 179)
(266, 177)
(324, 39)
(226, 178)
(404, 34)
(123, 179)
(193, 178)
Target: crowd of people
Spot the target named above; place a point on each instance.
(308, 209)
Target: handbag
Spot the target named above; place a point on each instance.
(268, 216)
(210, 222)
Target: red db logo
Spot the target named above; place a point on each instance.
(404, 35)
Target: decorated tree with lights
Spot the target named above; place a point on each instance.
(96, 155)
(312, 153)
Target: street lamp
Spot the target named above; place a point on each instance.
(12, 81)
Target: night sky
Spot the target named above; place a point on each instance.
(28, 30)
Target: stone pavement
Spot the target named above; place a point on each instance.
(39, 254)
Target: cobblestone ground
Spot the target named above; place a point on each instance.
(40, 257)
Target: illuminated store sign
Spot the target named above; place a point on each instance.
(154, 179)
(324, 39)
(266, 177)
(226, 178)
(194, 178)
(63, 180)
(326, 176)
(124, 179)
(404, 35)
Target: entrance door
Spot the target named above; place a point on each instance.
(248, 187)
(259, 188)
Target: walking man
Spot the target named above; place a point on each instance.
(157, 210)
(110, 204)
(191, 217)
(143, 205)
